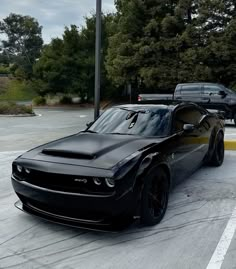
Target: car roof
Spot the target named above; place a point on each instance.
(146, 106)
(172, 106)
(200, 83)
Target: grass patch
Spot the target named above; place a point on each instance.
(18, 91)
(11, 108)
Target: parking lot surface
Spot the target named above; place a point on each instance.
(197, 231)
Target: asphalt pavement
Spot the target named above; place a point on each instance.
(197, 231)
(22, 133)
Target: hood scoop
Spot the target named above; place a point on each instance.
(69, 154)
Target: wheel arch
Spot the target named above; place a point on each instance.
(166, 169)
(154, 164)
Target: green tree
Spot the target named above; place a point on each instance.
(67, 64)
(24, 42)
(158, 43)
(144, 49)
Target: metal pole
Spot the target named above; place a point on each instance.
(98, 58)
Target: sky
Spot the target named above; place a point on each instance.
(54, 15)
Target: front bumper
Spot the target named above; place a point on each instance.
(103, 212)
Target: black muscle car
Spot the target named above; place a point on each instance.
(122, 166)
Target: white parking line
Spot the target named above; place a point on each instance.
(218, 256)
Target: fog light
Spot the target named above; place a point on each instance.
(27, 171)
(97, 181)
(19, 168)
(110, 182)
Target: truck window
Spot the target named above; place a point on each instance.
(211, 90)
(191, 90)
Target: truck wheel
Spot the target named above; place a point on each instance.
(154, 197)
(219, 151)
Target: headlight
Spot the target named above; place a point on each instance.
(19, 168)
(110, 182)
(97, 181)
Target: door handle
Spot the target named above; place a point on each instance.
(178, 98)
(206, 98)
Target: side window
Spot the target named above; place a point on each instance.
(211, 90)
(191, 90)
(188, 115)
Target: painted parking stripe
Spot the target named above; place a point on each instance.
(230, 145)
(218, 256)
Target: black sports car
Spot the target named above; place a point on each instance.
(122, 166)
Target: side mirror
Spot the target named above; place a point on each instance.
(189, 127)
(222, 93)
(89, 124)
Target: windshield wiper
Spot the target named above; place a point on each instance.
(90, 131)
(135, 111)
(118, 134)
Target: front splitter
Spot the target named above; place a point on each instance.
(65, 221)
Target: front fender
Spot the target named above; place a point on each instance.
(151, 160)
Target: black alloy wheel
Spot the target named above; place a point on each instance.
(155, 197)
(219, 151)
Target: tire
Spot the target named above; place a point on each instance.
(155, 196)
(217, 158)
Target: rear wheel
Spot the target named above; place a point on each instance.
(154, 197)
(219, 151)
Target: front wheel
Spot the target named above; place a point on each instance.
(219, 151)
(154, 197)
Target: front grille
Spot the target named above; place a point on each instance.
(65, 183)
(60, 211)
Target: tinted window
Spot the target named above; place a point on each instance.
(188, 115)
(211, 89)
(138, 121)
(191, 89)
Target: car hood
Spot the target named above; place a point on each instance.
(91, 150)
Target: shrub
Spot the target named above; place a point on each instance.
(4, 70)
(39, 101)
(18, 90)
(66, 100)
(10, 108)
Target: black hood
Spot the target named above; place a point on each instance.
(91, 150)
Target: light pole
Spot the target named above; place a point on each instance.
(98, 58)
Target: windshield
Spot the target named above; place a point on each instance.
(229, 90)
(136, 121)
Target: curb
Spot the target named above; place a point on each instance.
(18, 116)
(230, 144)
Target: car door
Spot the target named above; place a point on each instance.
(190, 146)
(212, 98)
